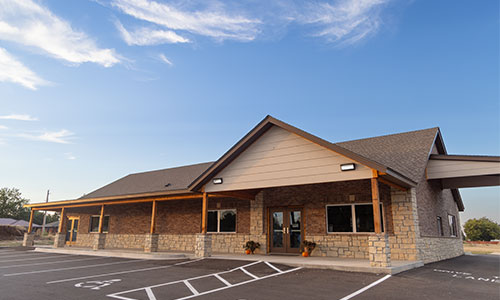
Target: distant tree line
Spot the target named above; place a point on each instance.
(482, 229)
(12, 206)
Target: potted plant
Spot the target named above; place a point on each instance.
(250, 247)
(307, 247)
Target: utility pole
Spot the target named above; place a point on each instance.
(45, 213)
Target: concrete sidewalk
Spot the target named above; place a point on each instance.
(340, 264)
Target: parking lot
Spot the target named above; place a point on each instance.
(26, 274)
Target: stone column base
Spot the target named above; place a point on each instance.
(151, 242)
(59, 240)
(379, 250)
(29, 239)
(99, 241)
(203, 247)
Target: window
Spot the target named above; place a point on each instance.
(221, 220)
(453, 225)
(440, 226)
(94, 223)
(352, 218)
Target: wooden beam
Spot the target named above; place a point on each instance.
(204, 214)
(392, 184)
(61, 221)
(376, 205)
(170, 198)
(101, 219)
(30, 226)
(238, 195)
(153, 218)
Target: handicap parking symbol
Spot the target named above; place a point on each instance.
(96, 284)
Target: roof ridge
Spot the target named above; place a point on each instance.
(387, 135)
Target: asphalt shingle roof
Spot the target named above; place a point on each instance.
(406, 153)
(153, 181)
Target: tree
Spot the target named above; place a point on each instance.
(482, 230)
(11, 204)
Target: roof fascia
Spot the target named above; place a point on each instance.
(482, 158)
(258, 131)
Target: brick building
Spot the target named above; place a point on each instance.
(382, 198)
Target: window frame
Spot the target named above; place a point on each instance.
(353, 216)
(218, 220)
(98, 217)
(452, 225)
(440, 225)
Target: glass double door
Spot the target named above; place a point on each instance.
(71, 230)
(286, 229)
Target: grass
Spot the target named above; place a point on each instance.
(481, 249)
(39, 240)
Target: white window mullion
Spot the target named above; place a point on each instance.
(218, 221)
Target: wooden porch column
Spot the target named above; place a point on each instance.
(153, 217)
(376, 202)
(101, 219)
(61, 220)
(204, 214)
(30, 226)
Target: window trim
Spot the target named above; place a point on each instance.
(353, 216)
(218, 220)
(99, 217)
(451, 225)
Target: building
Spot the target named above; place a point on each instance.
(384, 198)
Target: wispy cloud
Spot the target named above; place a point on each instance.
(12, 70)
(164, 59)
(149, 36)
(29, 23)
(2, 127)
(19, 117)
(212, 21)
(69, 156)
(61, 137)
(343, 21)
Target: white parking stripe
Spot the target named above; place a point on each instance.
(118, 295)
(222, 279)
(35, 258)
(248, 273)
(52, 262)
(366, 288)
(150, 294)
(277, 270)
(124, 272)
(72, 268)
(191, 288)
(22, 255)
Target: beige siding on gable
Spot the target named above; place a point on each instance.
(282, 158)
(437, 169)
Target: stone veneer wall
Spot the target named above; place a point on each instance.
(340, 245)
(84, 240)
(125, 241)
(177, 242)
(435, 249)
(405, 223)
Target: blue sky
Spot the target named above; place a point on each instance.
(93, 90)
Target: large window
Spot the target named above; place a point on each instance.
(352, 218)
(221, 220)
(453, 225)
(94, 223)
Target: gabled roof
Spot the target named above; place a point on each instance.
(406, 153)
(14, 222)
(267, 123)
(172, 180)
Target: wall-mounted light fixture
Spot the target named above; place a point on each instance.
(347, 167)
(217, 181)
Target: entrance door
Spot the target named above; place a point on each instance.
(72, 230)
(286, 229)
